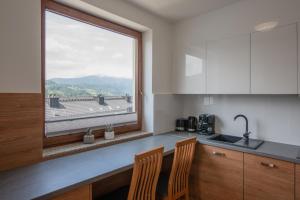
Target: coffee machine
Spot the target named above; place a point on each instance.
(206, 124)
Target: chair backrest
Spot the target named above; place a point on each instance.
(179, 177)
(145, 175)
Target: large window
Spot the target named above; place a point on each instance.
(91, 72)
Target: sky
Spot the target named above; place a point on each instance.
(76, 49)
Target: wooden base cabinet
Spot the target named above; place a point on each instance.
(298, 182)
(268, 179)
(217, 174)
(81, 193)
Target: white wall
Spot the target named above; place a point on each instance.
(20, 46)
(167, 108)
(20, 49)
(236, 19)
(272, 117)
(147, 82)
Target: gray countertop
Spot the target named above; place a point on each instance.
(46, 179)
(269, 149)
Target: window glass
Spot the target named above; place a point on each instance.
(89, 76)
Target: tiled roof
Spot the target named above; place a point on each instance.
(80, 113)
(86, 107)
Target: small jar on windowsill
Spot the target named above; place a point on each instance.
(89, 138)
(109, 133)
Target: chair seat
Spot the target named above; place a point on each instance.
(119, 194)
(162, 185)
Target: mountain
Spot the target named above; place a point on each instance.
(89, 85)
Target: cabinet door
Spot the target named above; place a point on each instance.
(274, 61)
(268, 179)
(217, 174)
(189, 70)
(81, 193)
(228, 66)
(298, 182)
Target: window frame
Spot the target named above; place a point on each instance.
(64, 10)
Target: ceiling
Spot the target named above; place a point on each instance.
(175, 10)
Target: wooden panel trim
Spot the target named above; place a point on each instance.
(108, 25)
(90, 19)
(20, 129)
(77, 147)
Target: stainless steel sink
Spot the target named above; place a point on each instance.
(237, 141)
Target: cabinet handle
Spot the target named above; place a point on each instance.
(271, 165)
(219, 154)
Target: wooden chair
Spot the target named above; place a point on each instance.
(177, 184)
(145, 175)
(144, 179)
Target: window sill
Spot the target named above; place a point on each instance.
(58, 151)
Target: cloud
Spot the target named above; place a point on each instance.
(75, 49)
(117, 55)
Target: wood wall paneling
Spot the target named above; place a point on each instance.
(216, 174)
(268, 179)
(20, 129)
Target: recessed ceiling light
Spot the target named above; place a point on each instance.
(267, 26)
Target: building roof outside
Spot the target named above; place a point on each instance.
(73, 114)
(87, 106)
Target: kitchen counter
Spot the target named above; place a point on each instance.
(46, 179)
(269, 149)
(53, 177)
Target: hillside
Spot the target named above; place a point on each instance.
(89, 85)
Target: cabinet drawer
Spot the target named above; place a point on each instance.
(298, 182)
(268, 179)
(217, 174)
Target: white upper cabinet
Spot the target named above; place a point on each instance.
(274, 67)
(228, 66)
(189, 70)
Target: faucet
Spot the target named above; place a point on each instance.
(247, 132)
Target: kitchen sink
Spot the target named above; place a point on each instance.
(237, 141)
(226, 138)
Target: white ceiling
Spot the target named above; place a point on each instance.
(175, 10)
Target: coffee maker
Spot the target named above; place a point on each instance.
(206, 124)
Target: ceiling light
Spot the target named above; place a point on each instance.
(267, 26)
